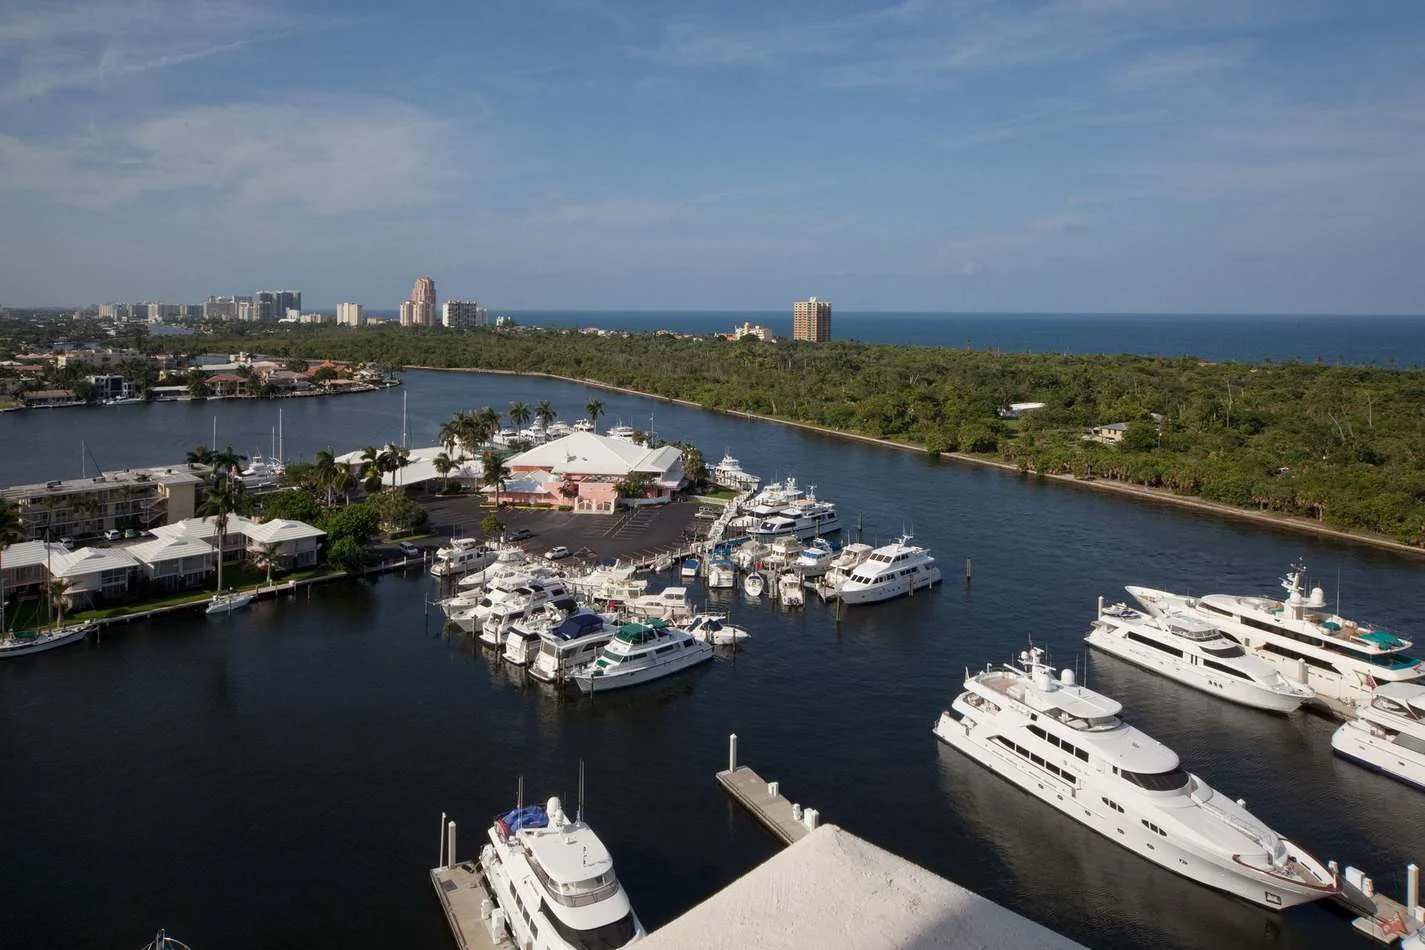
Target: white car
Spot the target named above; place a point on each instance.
(555, 554)
(113, 535)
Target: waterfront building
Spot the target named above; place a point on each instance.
(220, 308)
(111, 386)
(408, 313)
(289, 544)
(753, 330)
(349, 315)
(811, 320)
(164, 312)
(583, 470)
(87, 507)
(463, 314)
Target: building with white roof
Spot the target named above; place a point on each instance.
(289, 544)
(93, 573)
(25, 565)
(420, 466)
(833, 889)
(175, 563)
(588, 466)
(87, 507)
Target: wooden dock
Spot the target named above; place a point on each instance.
(1393, 920)
(468, 906)
(764, 800)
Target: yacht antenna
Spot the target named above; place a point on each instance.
(579, 815)
(519, 793)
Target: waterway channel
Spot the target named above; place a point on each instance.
(276, 779)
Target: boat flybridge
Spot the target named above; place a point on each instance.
(1067, 746)
(1388, 733)
(1195, 652)
(554, 881)
(572, 644)
(1336, 657)
(640, 653)
(461, 556)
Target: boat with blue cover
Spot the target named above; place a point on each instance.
(570, 645)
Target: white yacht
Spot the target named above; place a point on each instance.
(461, 556)
(523, 601)
(721, 573)
(789, 589)
(506, 559)
(584, 425)
(804, 519)
(1388, 734)
(729, 473)
(754, 584)
(1336, 657)
(559, 429)
(621, 432)
(1193, 651)
(469, 609)
(749, 553)
(505, 437)
(670, 603)
(570, 645)
(228, 601)
(524, 636)
(815, 559)
(714, 629)
(38, 641)
(890, 571)
(1067, 746)
(554, 882)
(640, 653)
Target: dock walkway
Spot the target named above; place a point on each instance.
(468, 906)
(764, 800)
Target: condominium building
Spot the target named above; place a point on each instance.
(349, 315)
(87, 507)
(164, 312)
(811, 320)
(463, 314)
(270, 305)
(421, 312)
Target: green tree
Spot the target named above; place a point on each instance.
(346, 554)
(358, 523)
(544, 413)
(1140, 436)
(491, 526)
(494, 474)
(200, 455)
(12, 527)
(595, 408)
(634, 486)
(444, 465)
(293, 504)
(519, 414)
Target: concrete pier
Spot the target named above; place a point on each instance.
(764, 800)
(469, 907)
(1392, 920)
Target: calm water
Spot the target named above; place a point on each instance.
(276, 779)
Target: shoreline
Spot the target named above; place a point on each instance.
(1140, 492)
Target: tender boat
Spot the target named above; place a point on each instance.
(789, 589)
(1067, 746)
(1193, 651)
(640, 653)
(1388, 733)
(753, 584)
(570, 645)
(37, 641)
(554, 882)
(228, 601)
(721, 573)
(689, 570)
(671, 603)
(1336, 657)
(461, 556)
(890, 571)
(714, 629)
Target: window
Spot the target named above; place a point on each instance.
(1227, 652)
(1157, 781)
(1154, 828)
(1112, 804)
(1224, 668)
(1150, 642)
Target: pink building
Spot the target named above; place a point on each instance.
(583, 471)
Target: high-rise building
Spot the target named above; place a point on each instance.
(164, 312)
(269, 305)
(220, 308)
(811, 320)
(422, 301)
(408, 313)
(463, 314)
(349, 315)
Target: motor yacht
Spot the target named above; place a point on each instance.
(1067, 746)
(469, 609)
(1388, 733)
(584, 425)
(721, 573)
(804, 519)
(815, 559)
(729, 473)
(460, 557)
(572, 644)
(505, 438)
(754, 584)
(671, 603)
(640, 653)
(890, 571)
(1338, 658)
(714, 629)
(554, 882)
(1190, 649)
(621, 432)
(789, 589)
(524, 636)
(749, 554)
(523, 601)
(507, 559)
(559, 429)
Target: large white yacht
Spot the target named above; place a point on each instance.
(670, 603)
(524, 637)
(802, 519)
(729, 473)
(461, 556)
(1388, 734)
(815, 559)
(554, 880)
(640, 653)
(1193, 651)
(524, 601)
(508, 559)
(570, 645)
(1067, 746)
(890, 571)
(1338, 658)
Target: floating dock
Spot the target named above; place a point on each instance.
(764, 800)
(1392, 920)
(476, 922)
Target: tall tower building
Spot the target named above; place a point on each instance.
(463, 314)
(349, 315)
(423, 296)
(811, 320)
(408, 313)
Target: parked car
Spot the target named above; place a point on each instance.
(554, 554)
(409, 549)
(518, 534)
(113, 534)
(130, 533)
(67, 542)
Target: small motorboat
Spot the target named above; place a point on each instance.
(753, 584)
(714, 629)
(789, 589)
(689, 570)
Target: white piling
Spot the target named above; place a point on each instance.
(1412, 888)
(450, 843)
(1368, 887)
(732, 752)
(810, 816)
(1100, 605)
(796, 812)
(773, 788)
(1301, 671)
(440, 861)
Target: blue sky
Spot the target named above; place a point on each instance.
(970, 155)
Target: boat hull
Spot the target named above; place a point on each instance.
(12, 648)
(851, 593)
(1234, 690)
(607, 682)
(1354, 740)
(1088, 809)
(228, 604)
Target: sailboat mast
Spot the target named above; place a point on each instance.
(281, 449)
(215, 432)
(404, 443)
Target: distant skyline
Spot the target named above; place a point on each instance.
(1125, 156)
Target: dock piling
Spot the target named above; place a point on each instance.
(732, 752)
(1412, 890)
(969, 571)
(450, 843)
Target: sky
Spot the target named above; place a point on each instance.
(1178, 156)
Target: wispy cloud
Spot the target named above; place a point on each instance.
(353, 155)
(92, 43)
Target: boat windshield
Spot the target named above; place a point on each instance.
(1157, 781)
(1084, 723)
(1226, 652)
(607, 937)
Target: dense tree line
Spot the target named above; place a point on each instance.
(1341, 444)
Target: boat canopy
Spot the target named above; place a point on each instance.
(636, 633)
(572, 628)
(1382, 638)
(530, 816)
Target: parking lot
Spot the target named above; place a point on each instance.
(636, 534)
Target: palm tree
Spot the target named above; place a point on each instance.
(495, 474)
(489, 421)
(393, 458)
(544, 413)
(594, 409)
(344, 480)
(519, 414)
(371, 469)
(226, 462)
(444, 464)
(450, 434)
(201, 455)
(226, 494)
(325, 466)
(58, 593)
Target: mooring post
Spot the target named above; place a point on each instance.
(450, 844)
(1412, 889)
(969, 571)
(732, 752)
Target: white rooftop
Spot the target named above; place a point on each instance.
(278, 530)
(90, 561)
(170, 549)
(833, 889)
(587, 453)
(30, 553)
